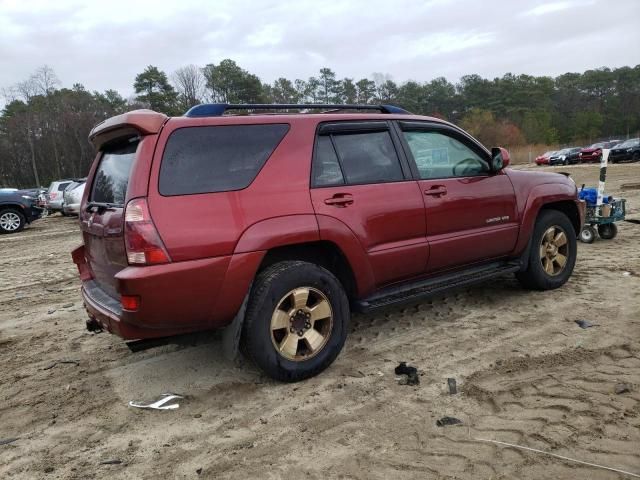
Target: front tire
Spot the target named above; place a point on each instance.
(297, 320)
(552, 253)
(11, 220)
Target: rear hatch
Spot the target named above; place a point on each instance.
(103, 214)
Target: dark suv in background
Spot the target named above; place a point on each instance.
(18, 209)
(626, 151)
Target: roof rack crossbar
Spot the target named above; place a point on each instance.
(218, 109)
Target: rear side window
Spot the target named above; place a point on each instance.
(326, 168)
(216, 158)
(63, 186)
(356, 158)
(112, 176)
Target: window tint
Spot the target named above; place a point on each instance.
(440, 156)
(112, 176)
(368, 157)
(216, 159)
(62, 187)
(326, 169)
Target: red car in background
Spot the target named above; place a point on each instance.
(544, 158)
(593, 153)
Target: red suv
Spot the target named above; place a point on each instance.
(279, 225)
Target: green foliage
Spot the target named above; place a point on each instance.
(228, 83)
(153, 89)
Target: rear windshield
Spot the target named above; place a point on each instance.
(216, 158)
(112, 177)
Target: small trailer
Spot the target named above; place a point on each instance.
(604, 212)
(603, 219)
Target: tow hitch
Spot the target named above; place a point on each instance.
(93, 325)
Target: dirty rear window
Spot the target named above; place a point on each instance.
(112, 177)
(216, 158)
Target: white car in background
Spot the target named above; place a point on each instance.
(72, 197)
(55, 193)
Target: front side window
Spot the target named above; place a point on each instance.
(216, 158)
(440, 156)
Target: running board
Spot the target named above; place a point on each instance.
(432, 286)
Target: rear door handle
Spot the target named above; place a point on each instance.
(340, 200)
(436, 190)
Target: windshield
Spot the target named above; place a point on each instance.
(112, 177)
(630, 143)
(597, 145)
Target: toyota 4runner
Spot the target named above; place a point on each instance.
(278, 225)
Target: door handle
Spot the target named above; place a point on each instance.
(340, 200)
(436, 190)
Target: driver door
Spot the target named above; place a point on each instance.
(471, 212)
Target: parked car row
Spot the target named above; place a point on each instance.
(59, 196)
(621, 151)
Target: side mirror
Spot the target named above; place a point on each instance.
(499, 159)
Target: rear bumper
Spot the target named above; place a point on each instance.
(175, 297)
(71, 208)
(107, 311)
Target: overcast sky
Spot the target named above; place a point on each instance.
(104, 44)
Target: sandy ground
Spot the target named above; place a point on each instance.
(527, 375)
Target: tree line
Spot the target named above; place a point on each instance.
(44, 126)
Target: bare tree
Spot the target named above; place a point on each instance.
(26, 90)
(189, 82)
(45, 80)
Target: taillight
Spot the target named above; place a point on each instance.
(130, 302)
(144, 246)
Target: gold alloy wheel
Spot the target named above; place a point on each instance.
(554, 250)
(301, 324)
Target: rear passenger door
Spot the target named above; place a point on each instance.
(359, 178)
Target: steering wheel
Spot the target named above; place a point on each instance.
(467, 166)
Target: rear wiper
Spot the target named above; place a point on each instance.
(101, 206)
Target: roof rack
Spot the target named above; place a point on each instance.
(218, 109)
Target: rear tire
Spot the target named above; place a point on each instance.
(11, 220)
(289, 334)
(552, 254)
(608, 231)
(588, 234)
(636, 157)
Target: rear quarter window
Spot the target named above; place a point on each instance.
(112, 176)
(216, 158)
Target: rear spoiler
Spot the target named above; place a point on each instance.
(136, 122)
